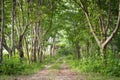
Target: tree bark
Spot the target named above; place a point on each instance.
(12, 29)
(53, 47)
(38, 53)
(22, 27)
(41, 55)
(2, 31)
(76, 42)
(27, 52)
(33, 46)
(8, 49)
(104, 57)
(20, 49)
(51, 50)
(77, 51)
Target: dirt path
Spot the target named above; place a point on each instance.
(63, 73)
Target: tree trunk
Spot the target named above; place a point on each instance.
(53, 46)
(98, 49)
(77, 51)
(20, 49)
(1, 53)
(38, 53)
(26, 46)
(88, 51)
(41, 56)
(51, 50)
(8, 49)
(12, 29)
(33, 53)
(103, 55)
(2, 31)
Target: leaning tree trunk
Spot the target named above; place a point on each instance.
(8, 49)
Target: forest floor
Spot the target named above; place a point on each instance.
(63, 72)
(59, 70)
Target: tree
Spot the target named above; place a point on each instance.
(12, 29)
(105, 36)
(2, 31)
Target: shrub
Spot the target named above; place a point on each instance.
(11, 66)
(96, 65)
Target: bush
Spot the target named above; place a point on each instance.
(113, 67)
(11, 66)
(96, 65)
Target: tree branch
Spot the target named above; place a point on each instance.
(115, 29)
(92, 31)
(108, 20)
(90, 25)
(26, 27)
(6, 46)
(81, 6)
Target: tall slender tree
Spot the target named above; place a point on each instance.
(2, 31)
(12, 29)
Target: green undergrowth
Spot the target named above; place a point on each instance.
(97, 76)
(55, 66)
(94, 68)
(6, 77)
(13, 67)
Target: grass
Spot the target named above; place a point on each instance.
(6, 77)
(56, 65)
(97, 76)
(76, 66)
(29, 69)
(56, 61)
(24, 68)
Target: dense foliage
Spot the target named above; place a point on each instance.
(88, 30)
